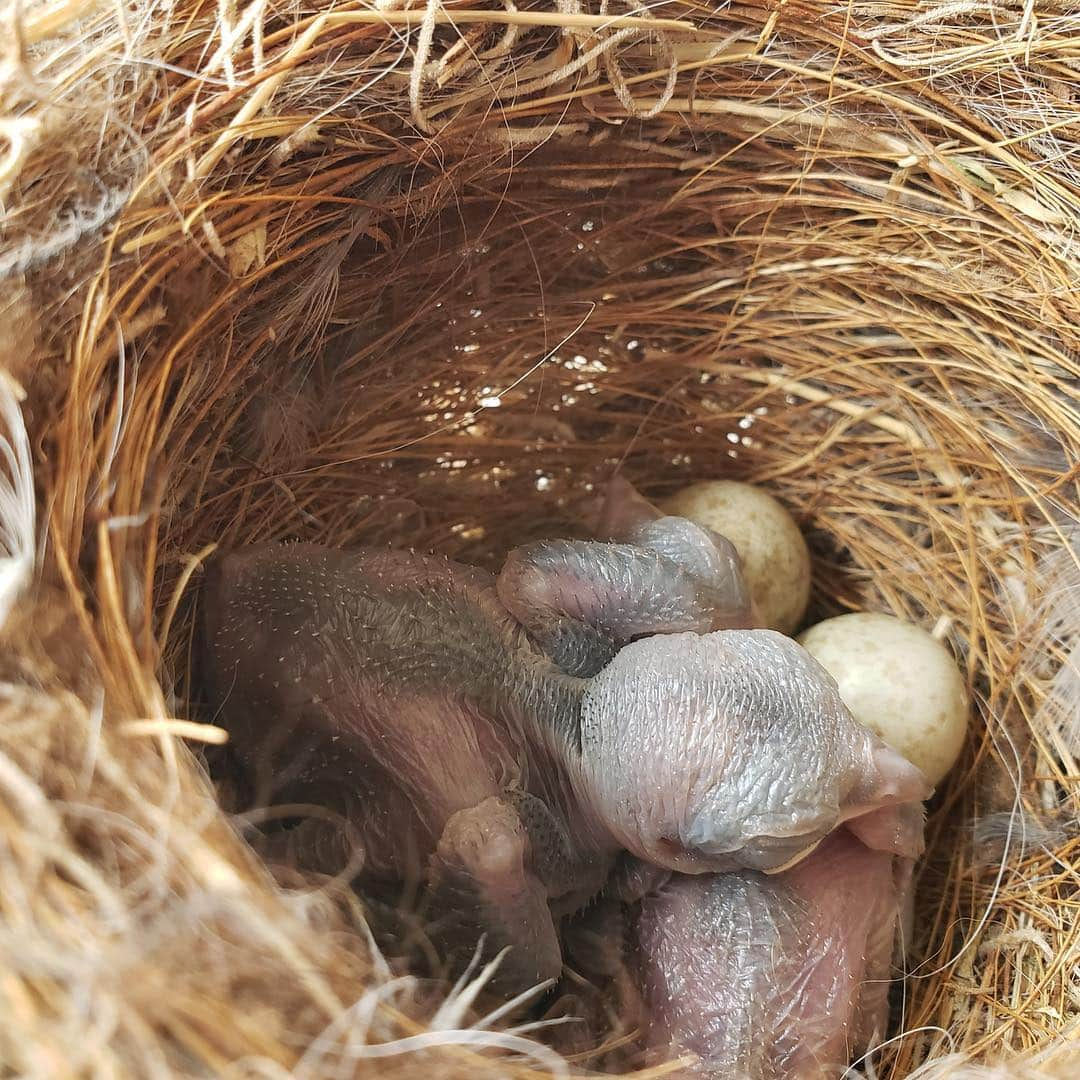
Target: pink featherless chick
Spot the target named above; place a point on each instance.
(781, 975)
(506, 738)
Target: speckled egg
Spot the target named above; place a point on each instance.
(776, 562)
(899, 681)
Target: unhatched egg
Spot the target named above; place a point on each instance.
(899, 681)
(776, 562)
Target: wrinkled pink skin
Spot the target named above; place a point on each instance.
(781, 977)
(896, 821)
(623, 514)
(506, 737)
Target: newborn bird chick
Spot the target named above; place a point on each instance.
(773, 978)
(509, 760)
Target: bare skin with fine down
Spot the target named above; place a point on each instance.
(782, 977)
(505, 737)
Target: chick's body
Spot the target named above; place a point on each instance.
(779, 977)
(505, 738)
(396, 690)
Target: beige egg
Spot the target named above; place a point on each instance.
(899, 681)
(776, 562)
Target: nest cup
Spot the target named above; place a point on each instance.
(427, 276)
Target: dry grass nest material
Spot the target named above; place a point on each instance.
(423, 275)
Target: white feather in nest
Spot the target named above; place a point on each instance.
(348, 1040)
(17, 504)
(1057, 641)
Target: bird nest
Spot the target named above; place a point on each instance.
(427, 275)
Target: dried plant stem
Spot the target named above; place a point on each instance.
(425, 275)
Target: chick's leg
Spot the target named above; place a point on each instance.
(484, 887)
